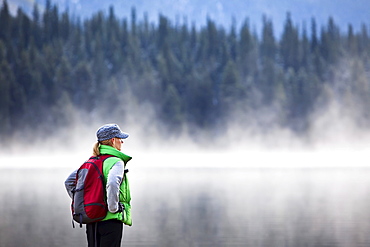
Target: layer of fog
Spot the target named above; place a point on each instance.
(333, 139)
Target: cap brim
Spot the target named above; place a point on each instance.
(122, 135)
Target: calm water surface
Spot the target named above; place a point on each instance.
(195, 207)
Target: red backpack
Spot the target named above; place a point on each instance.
(89, 199)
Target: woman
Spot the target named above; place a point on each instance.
(109, 231)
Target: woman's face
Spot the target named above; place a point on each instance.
(117, 143)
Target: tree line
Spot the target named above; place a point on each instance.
(52, 63)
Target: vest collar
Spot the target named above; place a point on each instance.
(105, 149)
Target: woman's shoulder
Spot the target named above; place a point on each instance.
(113, 160)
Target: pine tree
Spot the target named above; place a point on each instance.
(64, 26)
(330, 43)
(231, 88)
(232, 42)
(24, 29)
(268, 53)
(6, 80)
(289, 46)
(36, 35)
(5, 22)
(247, 52)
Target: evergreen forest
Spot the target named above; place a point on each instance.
(53, 65)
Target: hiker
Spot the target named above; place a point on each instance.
(109, 231)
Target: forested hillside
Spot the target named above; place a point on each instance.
(52, 65)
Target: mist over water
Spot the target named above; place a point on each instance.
(245, 188)
(202, 198)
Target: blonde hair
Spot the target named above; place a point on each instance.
(96, 150)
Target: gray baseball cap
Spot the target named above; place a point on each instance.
(109, 131)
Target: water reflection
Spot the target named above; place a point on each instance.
(183, 207)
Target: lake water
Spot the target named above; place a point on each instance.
(204, 204)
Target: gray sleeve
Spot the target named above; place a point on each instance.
(113, 186)
(70, 183)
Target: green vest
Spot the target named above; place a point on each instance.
(125, 196)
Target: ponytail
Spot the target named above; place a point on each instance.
(96, 150)
(96, 147)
